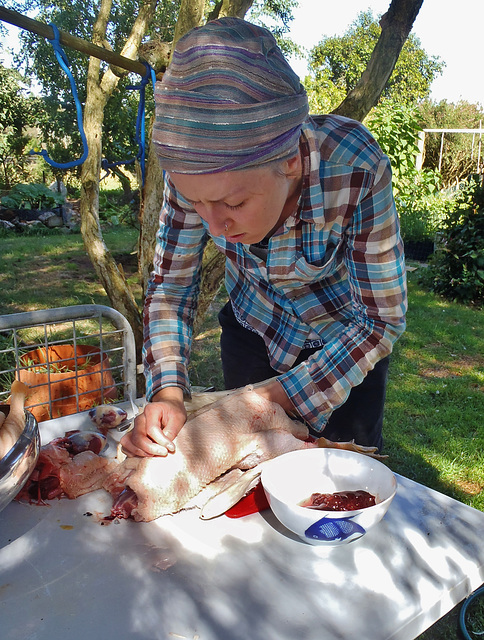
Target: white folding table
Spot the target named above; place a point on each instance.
(65, 576)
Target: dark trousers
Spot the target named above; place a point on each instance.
(245, 361)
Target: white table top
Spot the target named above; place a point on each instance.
(63, 575)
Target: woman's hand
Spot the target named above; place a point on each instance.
(273, 390)
(159, 424)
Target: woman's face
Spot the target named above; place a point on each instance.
(244, 206)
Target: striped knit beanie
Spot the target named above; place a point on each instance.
(228, 100)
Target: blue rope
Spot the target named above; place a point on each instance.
(140, 125)
(64, 63)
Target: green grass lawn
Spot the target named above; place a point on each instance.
(435, 403)
(38, 272)
(434, 420)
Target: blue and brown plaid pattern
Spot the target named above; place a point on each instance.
(335, 272)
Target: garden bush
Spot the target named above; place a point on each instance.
(32, 196)
(422, 207)
(458, 150)
(115, 211)
(456, 270)
(419, 202)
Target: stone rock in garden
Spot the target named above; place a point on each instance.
(7, 214)
(51, 219)
(58, 188)
(5, 224)
(67, 213)
(20, 215)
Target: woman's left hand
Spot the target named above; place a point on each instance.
(274, 391)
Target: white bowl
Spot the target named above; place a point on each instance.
(293, 477)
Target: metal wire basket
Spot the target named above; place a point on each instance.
(91, 347)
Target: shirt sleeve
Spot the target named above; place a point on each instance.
(375, 264)
(172, 294)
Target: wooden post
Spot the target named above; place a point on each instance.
(441, 150)
(421, 148)
(73, 42)
(478, 170)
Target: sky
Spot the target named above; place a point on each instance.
(447, 29)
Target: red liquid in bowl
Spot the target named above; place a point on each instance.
(339, 501)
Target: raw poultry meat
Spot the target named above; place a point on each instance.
(107, 416)
(214, 450)
(239, 431)
(68, 467)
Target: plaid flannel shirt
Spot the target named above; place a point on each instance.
(335, 271)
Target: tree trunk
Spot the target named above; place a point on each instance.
(234, 8)
(149, 214)
(125, 184)
(213, 267)
(396, 24)
(213, 273)
(6, 179)
(107, 271)
(189, 16)
(99, 90)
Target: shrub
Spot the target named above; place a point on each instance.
(396, 129)
(114, 211)
(417, 197)
(456, 270)
(459, 150)
(422, 207)
(32, 196)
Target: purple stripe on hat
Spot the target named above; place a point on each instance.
(228, 100)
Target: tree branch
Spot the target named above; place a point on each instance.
(396, 25)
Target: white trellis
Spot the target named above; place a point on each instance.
(474, 132)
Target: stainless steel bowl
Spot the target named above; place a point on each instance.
(18, 464)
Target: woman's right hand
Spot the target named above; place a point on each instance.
(156, 428)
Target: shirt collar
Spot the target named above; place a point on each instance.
(311, 194)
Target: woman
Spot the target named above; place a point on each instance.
(303, 210)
